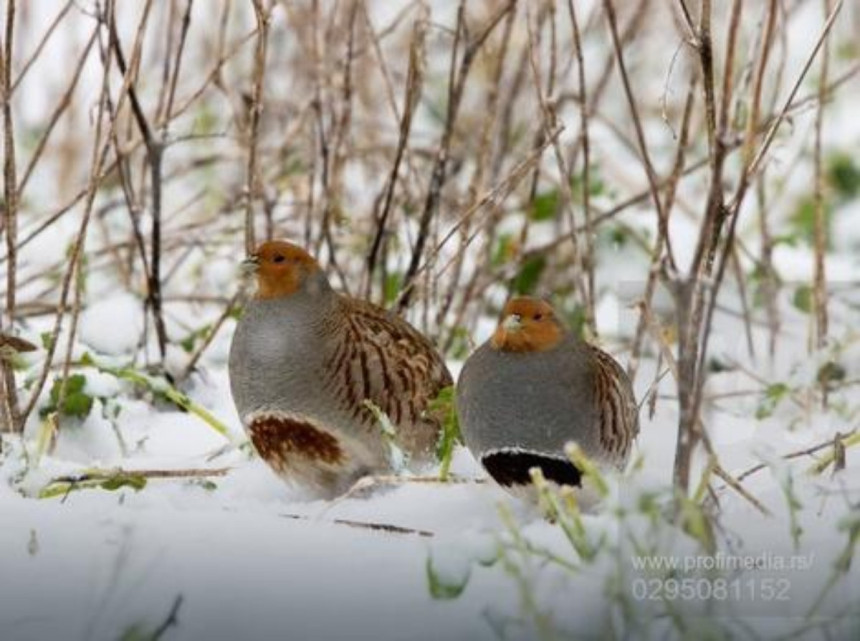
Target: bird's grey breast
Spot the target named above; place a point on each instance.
(275, 357)
(535, 401)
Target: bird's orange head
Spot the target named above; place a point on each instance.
(527, 325)
(281, 268)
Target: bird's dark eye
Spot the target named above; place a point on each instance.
(537, 316)
(279, 258)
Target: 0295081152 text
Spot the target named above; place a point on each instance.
(706, 589)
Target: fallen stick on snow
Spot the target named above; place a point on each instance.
(365, 525)
(116, 478)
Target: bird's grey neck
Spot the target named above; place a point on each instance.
(311, 306)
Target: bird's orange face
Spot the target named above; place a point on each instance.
(527, 325)
(281, 268)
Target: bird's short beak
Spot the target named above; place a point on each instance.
(512, 323)
(250, 265)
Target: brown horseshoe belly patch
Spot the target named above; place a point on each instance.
(278, 438)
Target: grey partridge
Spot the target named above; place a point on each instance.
(533, 387)
(308, 367)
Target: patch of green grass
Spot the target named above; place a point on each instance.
(444, 406)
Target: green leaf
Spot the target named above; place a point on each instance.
(393, 283)
(529, 275)
(618, 236)
(504, 250)
(843, 175)
(112, 483)
(544, 206)
(137, 632)
(397, 458)
(460, 347)
(576, 317)
(444, 407)
(773, 394)
(803, 219)
(596, 186)
(187, 343)
(802, 298)
(76, 402)
(134, 481)
(829, 373)
(47, 340)
(206, 484)
(190, 341)
(205, 120)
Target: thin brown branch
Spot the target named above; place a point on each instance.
(819, 288)
(154, 157)
(640, 133)
(414, 81)
(457, 82)
(255, 109)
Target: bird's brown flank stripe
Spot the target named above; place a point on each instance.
(278, 438)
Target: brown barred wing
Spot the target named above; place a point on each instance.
(617, 409)
(379, 357)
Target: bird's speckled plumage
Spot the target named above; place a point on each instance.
(305, 359)
(533, 387)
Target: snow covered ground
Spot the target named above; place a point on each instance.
(251, 558)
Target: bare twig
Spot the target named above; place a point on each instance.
(154, 156)
(819, 278)
(387, 528)
(640, 134)
(252, 185)
(457, 82)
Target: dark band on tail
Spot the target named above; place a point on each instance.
(511, 467)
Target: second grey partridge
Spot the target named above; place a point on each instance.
(533, 387)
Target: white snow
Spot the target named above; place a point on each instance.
(113, 325)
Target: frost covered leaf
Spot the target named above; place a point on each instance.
(189, 342)
(851, 525)
(587, 467)
(136, 632)
(161, 388)
(206, 484)
(773, 394)
(446, 585)
(134, 481)
(396, 456)
(110, 483)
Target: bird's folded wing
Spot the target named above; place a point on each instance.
(380, 358)
(616, 404)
